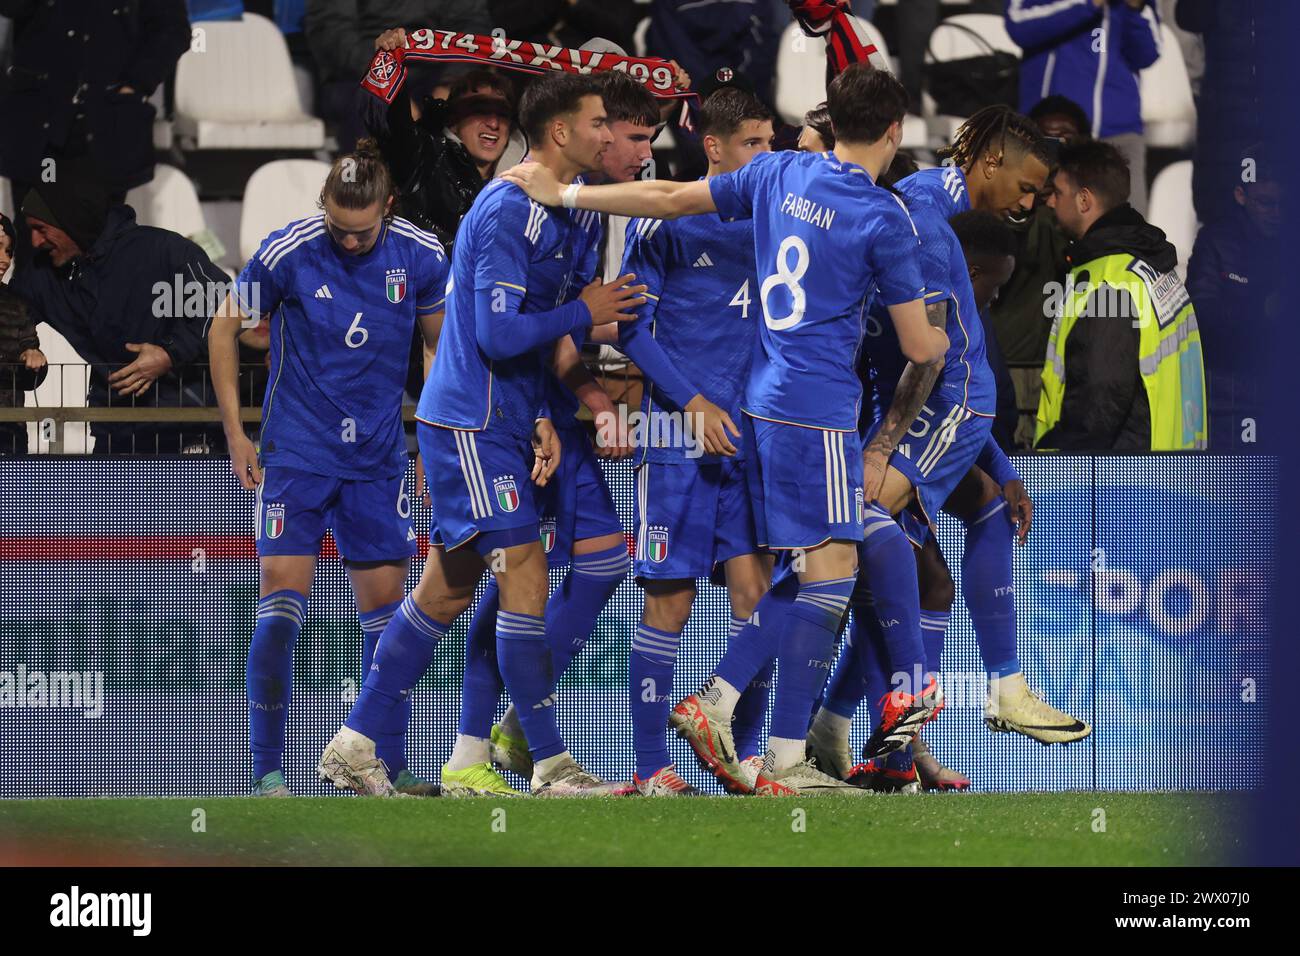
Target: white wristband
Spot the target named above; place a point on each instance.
(569, 198)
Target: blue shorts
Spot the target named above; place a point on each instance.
(691, 517)
(371, 520)
(935, 455)
(479, 482)
(576, 503)
(806, 484)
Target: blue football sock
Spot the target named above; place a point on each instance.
(270, 676)
(848, 683)
(403, 654)
(525, 664)
(986, 585)
(572, 611)
(482, 686)
(390, 749)
(751, 710)
(934, 624)
(889, 564)
(650, 679)
(807, 645)
(758, 641)
(870, 641)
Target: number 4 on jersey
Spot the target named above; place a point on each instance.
(741, 298)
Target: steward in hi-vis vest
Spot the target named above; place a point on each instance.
(1123, 369)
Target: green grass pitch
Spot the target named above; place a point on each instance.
(1076, 828)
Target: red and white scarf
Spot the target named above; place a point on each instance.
(387, 70)
(831, 20)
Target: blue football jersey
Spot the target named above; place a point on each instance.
(513, 260)
(561, 403)
(701, 308)
(341, 329)
(943, 188)
(966, 379)
(826, 239)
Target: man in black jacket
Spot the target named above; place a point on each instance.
(341, 34)
(82, 74)
(1123, 369)
(1231, 279)
(132, 300)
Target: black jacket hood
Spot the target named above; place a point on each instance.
(1123, 230)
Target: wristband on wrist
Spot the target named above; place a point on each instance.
(569, 198)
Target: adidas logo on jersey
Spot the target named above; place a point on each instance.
(324, 293)
(702, 261)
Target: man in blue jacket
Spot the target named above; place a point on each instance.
(1091, 51)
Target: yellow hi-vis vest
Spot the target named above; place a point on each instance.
(1169, 346)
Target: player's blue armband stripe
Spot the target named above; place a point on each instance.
(503, 332)
(993, 460)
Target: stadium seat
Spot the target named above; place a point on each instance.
(6, 198)
(1170, 208)
(240, 92)
(163, 128)
(801, 78)
(950, 42)
(276, 195)
(1168, 110)
(168, 201)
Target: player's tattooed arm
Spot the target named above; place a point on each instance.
(913, 389)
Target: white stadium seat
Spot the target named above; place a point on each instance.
(240, 91)
(168, 201)
(276, 195)
(801, 77)
(1168, 110)
(1170, 209)
(950, 42)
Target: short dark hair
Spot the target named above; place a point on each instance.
(627, 100)
(984, 234)
(1099, 168)
(726, 108)
(900, 167)
(819, 119)
(550, 96)
(864, 102)
(1058, 105)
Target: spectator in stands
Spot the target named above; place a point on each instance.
(1019, 319)
(22, 363)
(707, 35)
(441, 152)
(1237, 302)
(1230, 110)
(1091, 51)
(131, 300)
(1123, 370)
(342, 34)
(79, 85)
(567, 22)
(990, 248)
